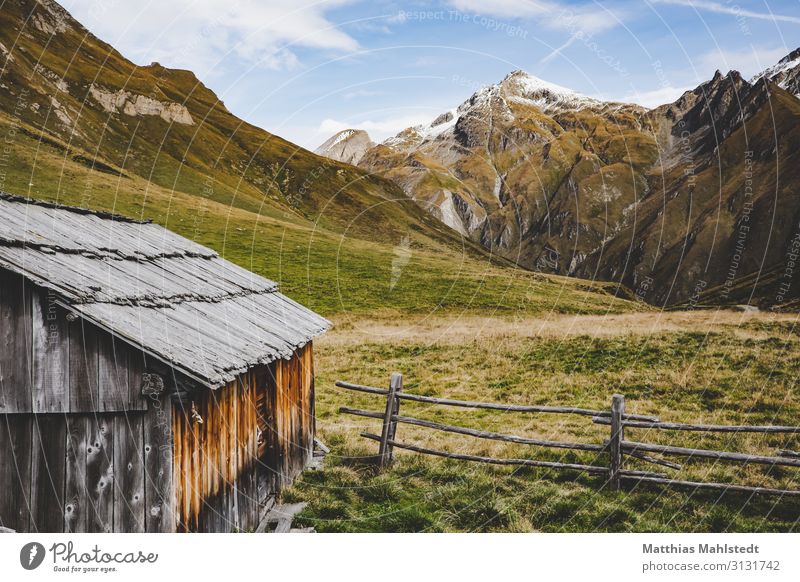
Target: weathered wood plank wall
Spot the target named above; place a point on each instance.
(216, 453)
(86, 472)
(51, 365)
(294, 414)
(236, 446)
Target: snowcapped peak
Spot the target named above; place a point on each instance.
(521, 85)
(532, 83)
(786, 73)
(518, 86)
(787, 63)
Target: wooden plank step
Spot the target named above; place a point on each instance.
(285, 511)
(281, 516)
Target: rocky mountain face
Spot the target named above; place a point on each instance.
(785, 74)
(347, 146)
(690, 202)
(720, 220)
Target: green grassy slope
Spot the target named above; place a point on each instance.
(335, 237)
(54, 69)
(416, 270)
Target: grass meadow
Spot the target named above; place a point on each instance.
(707, 366)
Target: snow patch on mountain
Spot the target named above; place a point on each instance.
(785, 73)
(520, 85)
(439, 125)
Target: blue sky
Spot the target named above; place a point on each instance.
(304, 69)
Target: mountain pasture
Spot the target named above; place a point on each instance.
(710, 366)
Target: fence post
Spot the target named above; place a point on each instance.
(390, 425)
(617, 436)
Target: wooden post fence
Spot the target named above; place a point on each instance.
(389, 430)
(617, 436)
(616, 446)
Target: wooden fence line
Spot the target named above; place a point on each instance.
(522, 462)
(482, 434)
(491, 405)
(617, 447)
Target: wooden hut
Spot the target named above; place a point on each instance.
(146, 384)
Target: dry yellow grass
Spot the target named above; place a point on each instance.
(455, 330)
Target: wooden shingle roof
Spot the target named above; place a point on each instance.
(164, 294)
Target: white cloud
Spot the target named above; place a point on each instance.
(733, 9)
(655, 97)
(556, 15)
(748, 61)
(361, 93)
(196, 34)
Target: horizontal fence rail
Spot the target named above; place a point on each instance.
(616, 447)
(523, 462)
(481, 434)
(490, 405)
(701, 427)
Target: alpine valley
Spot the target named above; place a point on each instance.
(691, 202)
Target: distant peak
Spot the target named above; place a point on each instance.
(792, 56)
(785, 73)
(522, 85)
(347, 145)
(532, 82)
(517, 73)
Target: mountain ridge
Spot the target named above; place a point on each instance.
(557, 182)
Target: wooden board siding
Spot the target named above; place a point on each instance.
(51, 365)
(50, 356)
(16, 352)
(294, 414)
(256, 435)
(83, 366)
(215, 458)
(15, 471)
(48, 473)
(159, 485)
(105, 472)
